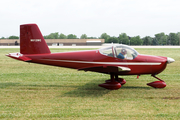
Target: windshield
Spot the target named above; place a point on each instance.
(107, 51)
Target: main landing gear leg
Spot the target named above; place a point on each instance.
(113, 83)
(120, 80)
(157, 84)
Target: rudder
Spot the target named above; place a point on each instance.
(31, 40)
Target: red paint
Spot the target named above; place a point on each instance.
(137, 76)
(111, 84)
(34, 49)
(122, 81)
(157, 84)
(31, 40)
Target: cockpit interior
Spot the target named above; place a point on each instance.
(119, 50)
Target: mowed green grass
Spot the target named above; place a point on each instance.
(33, 91)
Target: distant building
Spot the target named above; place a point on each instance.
(8, 42)
(57, 42)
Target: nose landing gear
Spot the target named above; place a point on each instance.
(157, 84)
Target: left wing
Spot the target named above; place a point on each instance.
(107, 69)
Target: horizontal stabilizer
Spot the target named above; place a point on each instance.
(19, 56)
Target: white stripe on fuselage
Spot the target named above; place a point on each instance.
(107, 63)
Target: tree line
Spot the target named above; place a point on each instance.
(123, 38)
(159, 39)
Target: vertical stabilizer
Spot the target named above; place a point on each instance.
(31, 40)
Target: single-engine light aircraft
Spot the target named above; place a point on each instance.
(114, 60)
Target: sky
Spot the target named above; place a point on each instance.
(91, 17)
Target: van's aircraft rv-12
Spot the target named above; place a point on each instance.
(114, 60)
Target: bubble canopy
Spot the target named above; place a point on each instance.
(117, 50)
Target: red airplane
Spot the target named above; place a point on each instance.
(114, 60)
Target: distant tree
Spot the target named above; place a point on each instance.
(2, 38)
(112, 40)
(52, 36)
(45, 36)
(91, 37)
(55, 35)
(62, 36)
(154, 41)
(173, 39)
(13, 37)
(147, 40)
(136, 40)
(105, 36)
(83, 36)
(161, 38)
(124, 39)
(178, 35)
(71, 36)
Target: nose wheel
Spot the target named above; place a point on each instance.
(157, 84)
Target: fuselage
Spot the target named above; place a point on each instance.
(142, 64)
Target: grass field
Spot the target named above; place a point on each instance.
(32, 91)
